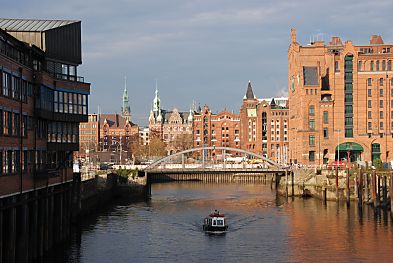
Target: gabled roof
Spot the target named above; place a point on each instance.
(114, 120)
(32, 25)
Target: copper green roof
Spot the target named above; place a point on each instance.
(32, 25)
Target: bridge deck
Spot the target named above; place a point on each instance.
(199, 170)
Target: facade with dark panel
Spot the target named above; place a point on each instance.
(40, 107)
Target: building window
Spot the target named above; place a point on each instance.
(325, 117)
(389, 65)
(311, 124)
(383, 65)
(381, 125)
(377, 65)
(369, 125)
(381, 103)
(311, 110)
(381, 114)
(311, 140)
(381, 82)
(311, 156)
(360, 65)
(372, 66)
(348, 133)
(369, 114)
(369, 104)
(369, 92)
(325, 133)
(336, 66)
(381, 92)
(369, 82)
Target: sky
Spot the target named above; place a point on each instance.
(200, 51)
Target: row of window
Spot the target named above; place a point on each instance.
(10, 124)
(380, 82)
(377, 66)
(16, 161)
(62, 102)
(381, 114)
(381, 92)
(63, 132)
(15, 87)
(381, 104)
(381, 125)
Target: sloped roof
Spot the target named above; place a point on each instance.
(249, 93)
(114, 120)
(32, 25)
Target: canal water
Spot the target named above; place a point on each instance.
(262, 228)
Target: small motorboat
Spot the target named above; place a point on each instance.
(215, 223)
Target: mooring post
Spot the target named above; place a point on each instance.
(360, 188)
(293, 182)
(378, 199)
(391, 194)
(347, 188)
(374, 188)
(384, 191)
(336, 182)
(366, 188)
(286, 183)
(182, 161)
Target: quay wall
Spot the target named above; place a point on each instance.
(33, 222)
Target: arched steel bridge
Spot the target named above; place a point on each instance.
(165, 159)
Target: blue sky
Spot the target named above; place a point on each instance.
(202, 50)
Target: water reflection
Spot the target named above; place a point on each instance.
(262, 227)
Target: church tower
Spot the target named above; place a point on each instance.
(125, 109)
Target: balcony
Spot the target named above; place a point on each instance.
(69, 77)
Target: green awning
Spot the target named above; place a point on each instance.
(349, 146)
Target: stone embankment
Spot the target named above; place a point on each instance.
(370, 187)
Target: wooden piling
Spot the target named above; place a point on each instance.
(384, 191)
(391, 194)
(347, 188)
(378, 196)
(1, 231)
(360, 188)
(374, 188)
(366, 188)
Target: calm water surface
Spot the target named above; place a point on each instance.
(262, 228)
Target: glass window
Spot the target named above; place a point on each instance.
(381, 125)
(336, 66)
(360, 65)
(383, 65)
(61, 105)
(311, 125)
(311, 140)
(372, 66)
(389, 65)
(369, 104)
(325, 133)
(348, 133)
(65, 102)
(311, 156)
(381, 103)
(381, 114)
(325, 117)
(369, 92)
(369, 125)
(381, 82)
(369, 82)
(369, 115)
(311, 110)
(381, 92)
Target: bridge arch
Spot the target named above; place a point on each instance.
(166, 158)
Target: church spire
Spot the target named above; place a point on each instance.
(157, 103)
(125, 109)
(249, 93)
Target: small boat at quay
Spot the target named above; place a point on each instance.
(215, 223)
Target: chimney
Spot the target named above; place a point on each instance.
(293, 35)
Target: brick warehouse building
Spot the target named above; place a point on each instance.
(106, 137)
(42, 101)
(216, 129)
(264, 126)
(340, 94)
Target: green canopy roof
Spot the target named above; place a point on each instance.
(349, 146)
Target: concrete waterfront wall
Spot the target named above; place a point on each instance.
(365, 187)
(32, 222)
